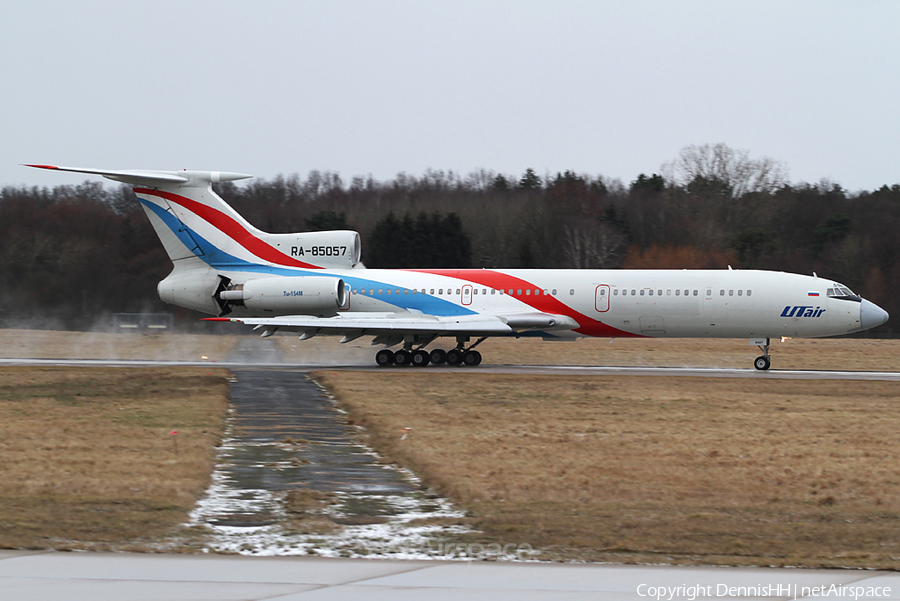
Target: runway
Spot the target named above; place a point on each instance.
(27, 576)
(696, 372)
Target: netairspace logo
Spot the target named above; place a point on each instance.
(692, 592)
(472, 551)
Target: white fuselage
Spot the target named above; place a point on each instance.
(609, 303)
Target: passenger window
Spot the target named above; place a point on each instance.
(554, 292)
(633, 292)
(642, 292)
(616, 292)
(749, 292)
(572, 292)
(687, 292)
(696, 292)
(721, 293)
(731, 293)
(546, 292)
(457, 290)
(397, 291)
(603, 292)
(528, 292)
(740, 293)
(406, 291)
(475, 291)
(668, 293)
(493, 291)
(511, 291)
(651, 292)
(519, 292)
(441, 291)
(678, 293)
(380, 291)
(709, 292)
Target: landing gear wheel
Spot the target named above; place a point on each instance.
(438, 356)
(472, 358)
(384, 358)
(454, 357)
(420, 358)
(762, 363)
(402, 358)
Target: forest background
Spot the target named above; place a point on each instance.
(71, 256)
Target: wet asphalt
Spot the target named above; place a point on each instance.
(288, 434)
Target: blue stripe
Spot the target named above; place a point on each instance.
(218, 259)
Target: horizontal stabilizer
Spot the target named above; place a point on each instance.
(139, 177)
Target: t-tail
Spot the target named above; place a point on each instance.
(205, 237)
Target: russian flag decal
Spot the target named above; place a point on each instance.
(813, 294)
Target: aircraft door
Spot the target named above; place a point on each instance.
(601, 298)
(712, 308)
(467, 294)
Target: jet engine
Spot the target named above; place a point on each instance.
(302, 295)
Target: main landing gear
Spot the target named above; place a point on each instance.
(763, 362)
(407, 356)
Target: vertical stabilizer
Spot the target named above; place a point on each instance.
(193, 222)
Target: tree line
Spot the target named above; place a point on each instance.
(70, 253)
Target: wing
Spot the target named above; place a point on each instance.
(390, 328)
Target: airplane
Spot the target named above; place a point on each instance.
(313, 283)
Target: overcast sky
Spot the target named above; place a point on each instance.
(380, 87)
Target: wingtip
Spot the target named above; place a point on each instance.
(40, 166)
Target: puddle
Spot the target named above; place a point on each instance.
(292, 479)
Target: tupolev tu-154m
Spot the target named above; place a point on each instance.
(313, 283)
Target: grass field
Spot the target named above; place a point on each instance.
(651, 469)
(89, 461)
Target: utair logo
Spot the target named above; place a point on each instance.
(800, 311)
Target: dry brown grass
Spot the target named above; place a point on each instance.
(88, 458)
(685, 470)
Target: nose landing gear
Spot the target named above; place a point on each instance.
(763, 362)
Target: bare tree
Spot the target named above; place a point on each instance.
(734, 168)
(593, 246)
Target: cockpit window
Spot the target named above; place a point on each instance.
(841, 291)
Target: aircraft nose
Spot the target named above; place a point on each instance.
(871, 315)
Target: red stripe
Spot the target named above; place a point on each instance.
(231, 228)
(44, 166)
(544, 303)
